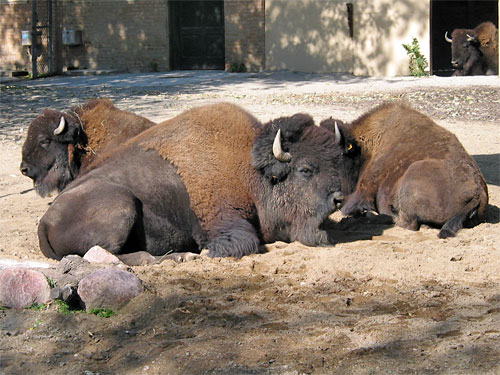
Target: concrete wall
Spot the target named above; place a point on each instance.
(380, 29)
(313, 35)
(308, 36)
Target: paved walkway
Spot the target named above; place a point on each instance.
(268, 82)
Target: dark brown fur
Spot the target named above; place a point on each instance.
(416, 171)
(477, 56)
(91, 130)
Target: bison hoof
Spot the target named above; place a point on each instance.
(179, 257)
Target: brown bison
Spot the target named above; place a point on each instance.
(59, 145)
(412, 169)
(212, 177)
(474, 51)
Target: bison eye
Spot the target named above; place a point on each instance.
(305, 171)
(45, 143)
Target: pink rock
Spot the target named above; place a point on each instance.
(21, 287)
(108, 288)
(97, 254)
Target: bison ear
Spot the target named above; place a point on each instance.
(67, 131)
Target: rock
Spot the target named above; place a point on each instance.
(108, 288)
(97, 254)
(139, 258)
(21, 287)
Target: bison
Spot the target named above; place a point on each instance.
(211, 178)
(412, 169)
(60, 145)
(474, 51)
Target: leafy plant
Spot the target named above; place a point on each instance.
(418, 62)
(103, 313)
(37, 306)
(237, 68)
(63, 307)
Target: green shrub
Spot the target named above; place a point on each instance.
(418, 62)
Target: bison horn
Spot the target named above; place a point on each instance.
(447, 38)
(338, 136)
(278, 151)
(470, 38)
(60, 128)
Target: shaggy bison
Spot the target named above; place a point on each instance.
(412, 169)
(474, 51)
(212, 177)
(59, 145)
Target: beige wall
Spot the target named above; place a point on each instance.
(380, 29)
(308, 36)
(313, 35)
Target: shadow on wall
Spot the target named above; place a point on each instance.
(133, 37)
(315, 35)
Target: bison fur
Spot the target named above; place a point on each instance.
(52, 158)
(207, 179)
(415, 171)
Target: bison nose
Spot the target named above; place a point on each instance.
(25, 170)
(337, 198)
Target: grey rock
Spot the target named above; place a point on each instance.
(139, 258)
(97, 254)
(108, 288)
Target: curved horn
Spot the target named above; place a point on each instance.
(60, 128)
(338, 136)
(470, 38)
(448, 39)
(278, 151)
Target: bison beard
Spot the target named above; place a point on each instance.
(415, 171)
(208, 178)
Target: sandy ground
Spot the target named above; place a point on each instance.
(382, 300)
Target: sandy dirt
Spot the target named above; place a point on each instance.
(381, 300)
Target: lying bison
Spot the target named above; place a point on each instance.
(59, 145)
(412, 169)
(212, 177)
(474, 51)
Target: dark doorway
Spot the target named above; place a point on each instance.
(197, 34)
(449, 15)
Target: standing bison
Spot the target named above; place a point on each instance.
(212, 177)
(59, 145)
(414, 170)
(474, 51)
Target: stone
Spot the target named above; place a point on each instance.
(21, 287)
(97, 254)
(108, 288)
(139, 258)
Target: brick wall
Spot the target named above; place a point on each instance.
(117, 34)
(14, 18)
(244, 33)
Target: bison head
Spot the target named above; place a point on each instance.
(352, 157)
(300, 185)
(52, 150)
(465, 52)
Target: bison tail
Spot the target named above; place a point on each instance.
(467, 216)
(43, 239)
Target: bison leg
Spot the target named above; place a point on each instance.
(234, 237)
(407, 221)
(83, 217)
(357, 204)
